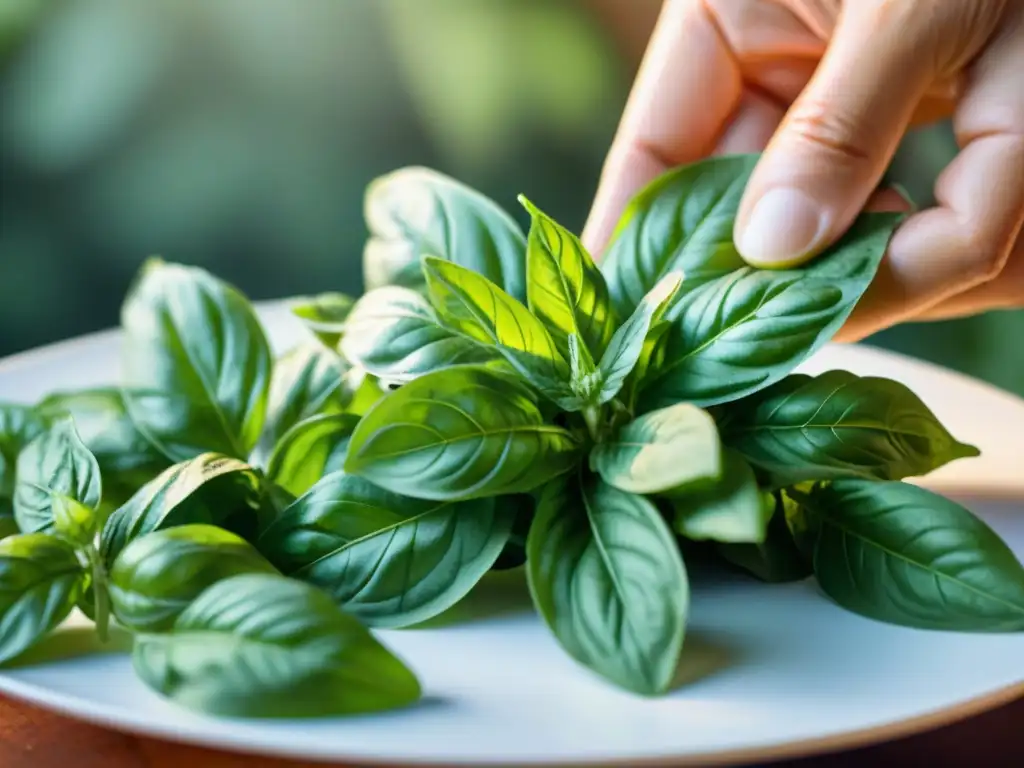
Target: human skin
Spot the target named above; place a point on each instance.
(826, 90)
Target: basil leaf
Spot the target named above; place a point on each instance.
(157, 576)
(741, 332)
(474, 307)
(608, 579)
(735, 510)
(521, 508)
(838, 424)
(565, 289)
(901, 554)
(366, 391)
(264, 646)
(19, 425)
(54, 464)
(126, 459)
(40, 580)
(390, 561)
(682, 221)
(416, 212)
(460, 433)
(310, 450)
(197, 365)
(628, 343)
(324, 315)
(661, 451)
(584, 379)
(307, 381)
(210, 488)
(775, 560)
(394, 334)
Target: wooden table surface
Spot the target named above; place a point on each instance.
(33, 738)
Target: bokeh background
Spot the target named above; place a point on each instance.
(239, 135)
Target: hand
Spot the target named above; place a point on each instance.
(826, 90)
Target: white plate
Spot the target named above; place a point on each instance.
(775, 670)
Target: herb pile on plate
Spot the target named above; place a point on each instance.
(494, 400)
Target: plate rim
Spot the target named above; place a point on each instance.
(77, 708)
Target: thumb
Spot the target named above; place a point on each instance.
(832, 148)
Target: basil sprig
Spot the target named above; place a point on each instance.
(494, 400)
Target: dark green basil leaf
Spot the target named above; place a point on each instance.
(565, 288)
(736, 334)
(477, 308)
(324, 315)
(388, 560)
(210, 488)
(682, 221)
(8, 525)
(40, 580)
(661, 451)
(265, 646)
(627, 345)
(735, 510)
(901, 554)
(307, 381)
(838, 424)
(521, 507)
(157, 576)
(197, 365)
(126, 459)
(54, 464)
(460, 433)
(777, 559)
(607, 577)
(416, 212)
(394, 334)
(310, 450)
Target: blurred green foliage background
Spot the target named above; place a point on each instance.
(239, 135)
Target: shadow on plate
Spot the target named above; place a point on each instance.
(70, 643)
(499, 593)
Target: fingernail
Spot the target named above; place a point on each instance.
(784, 225)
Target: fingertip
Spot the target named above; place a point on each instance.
(785, 227)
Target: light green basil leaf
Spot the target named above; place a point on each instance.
(41, 578)
(54, 464)
(307, 381)
(395, 335)
(661, 451)
(735, 510)
(584, 379)
(19, 425)
(366, 390)
(901, 554)
(324, 315)
(211, 488)
(477, 308)
(682, 221)
(459, 433)
(74, 521)
(157, 576)
(126, 459)
(741, 332)
(416, 212)
(388, 560)
(838, 424)
(197, 365)
(607, 577)
(310, 450)
(775, 560)
(263, 646)
(564, 288)
(627, 345)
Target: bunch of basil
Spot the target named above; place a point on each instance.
(493, 400)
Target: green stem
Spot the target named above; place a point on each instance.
(101, 600)
(592, 417)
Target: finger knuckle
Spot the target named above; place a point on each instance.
(828, 130)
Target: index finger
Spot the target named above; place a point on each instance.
(686, 90)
